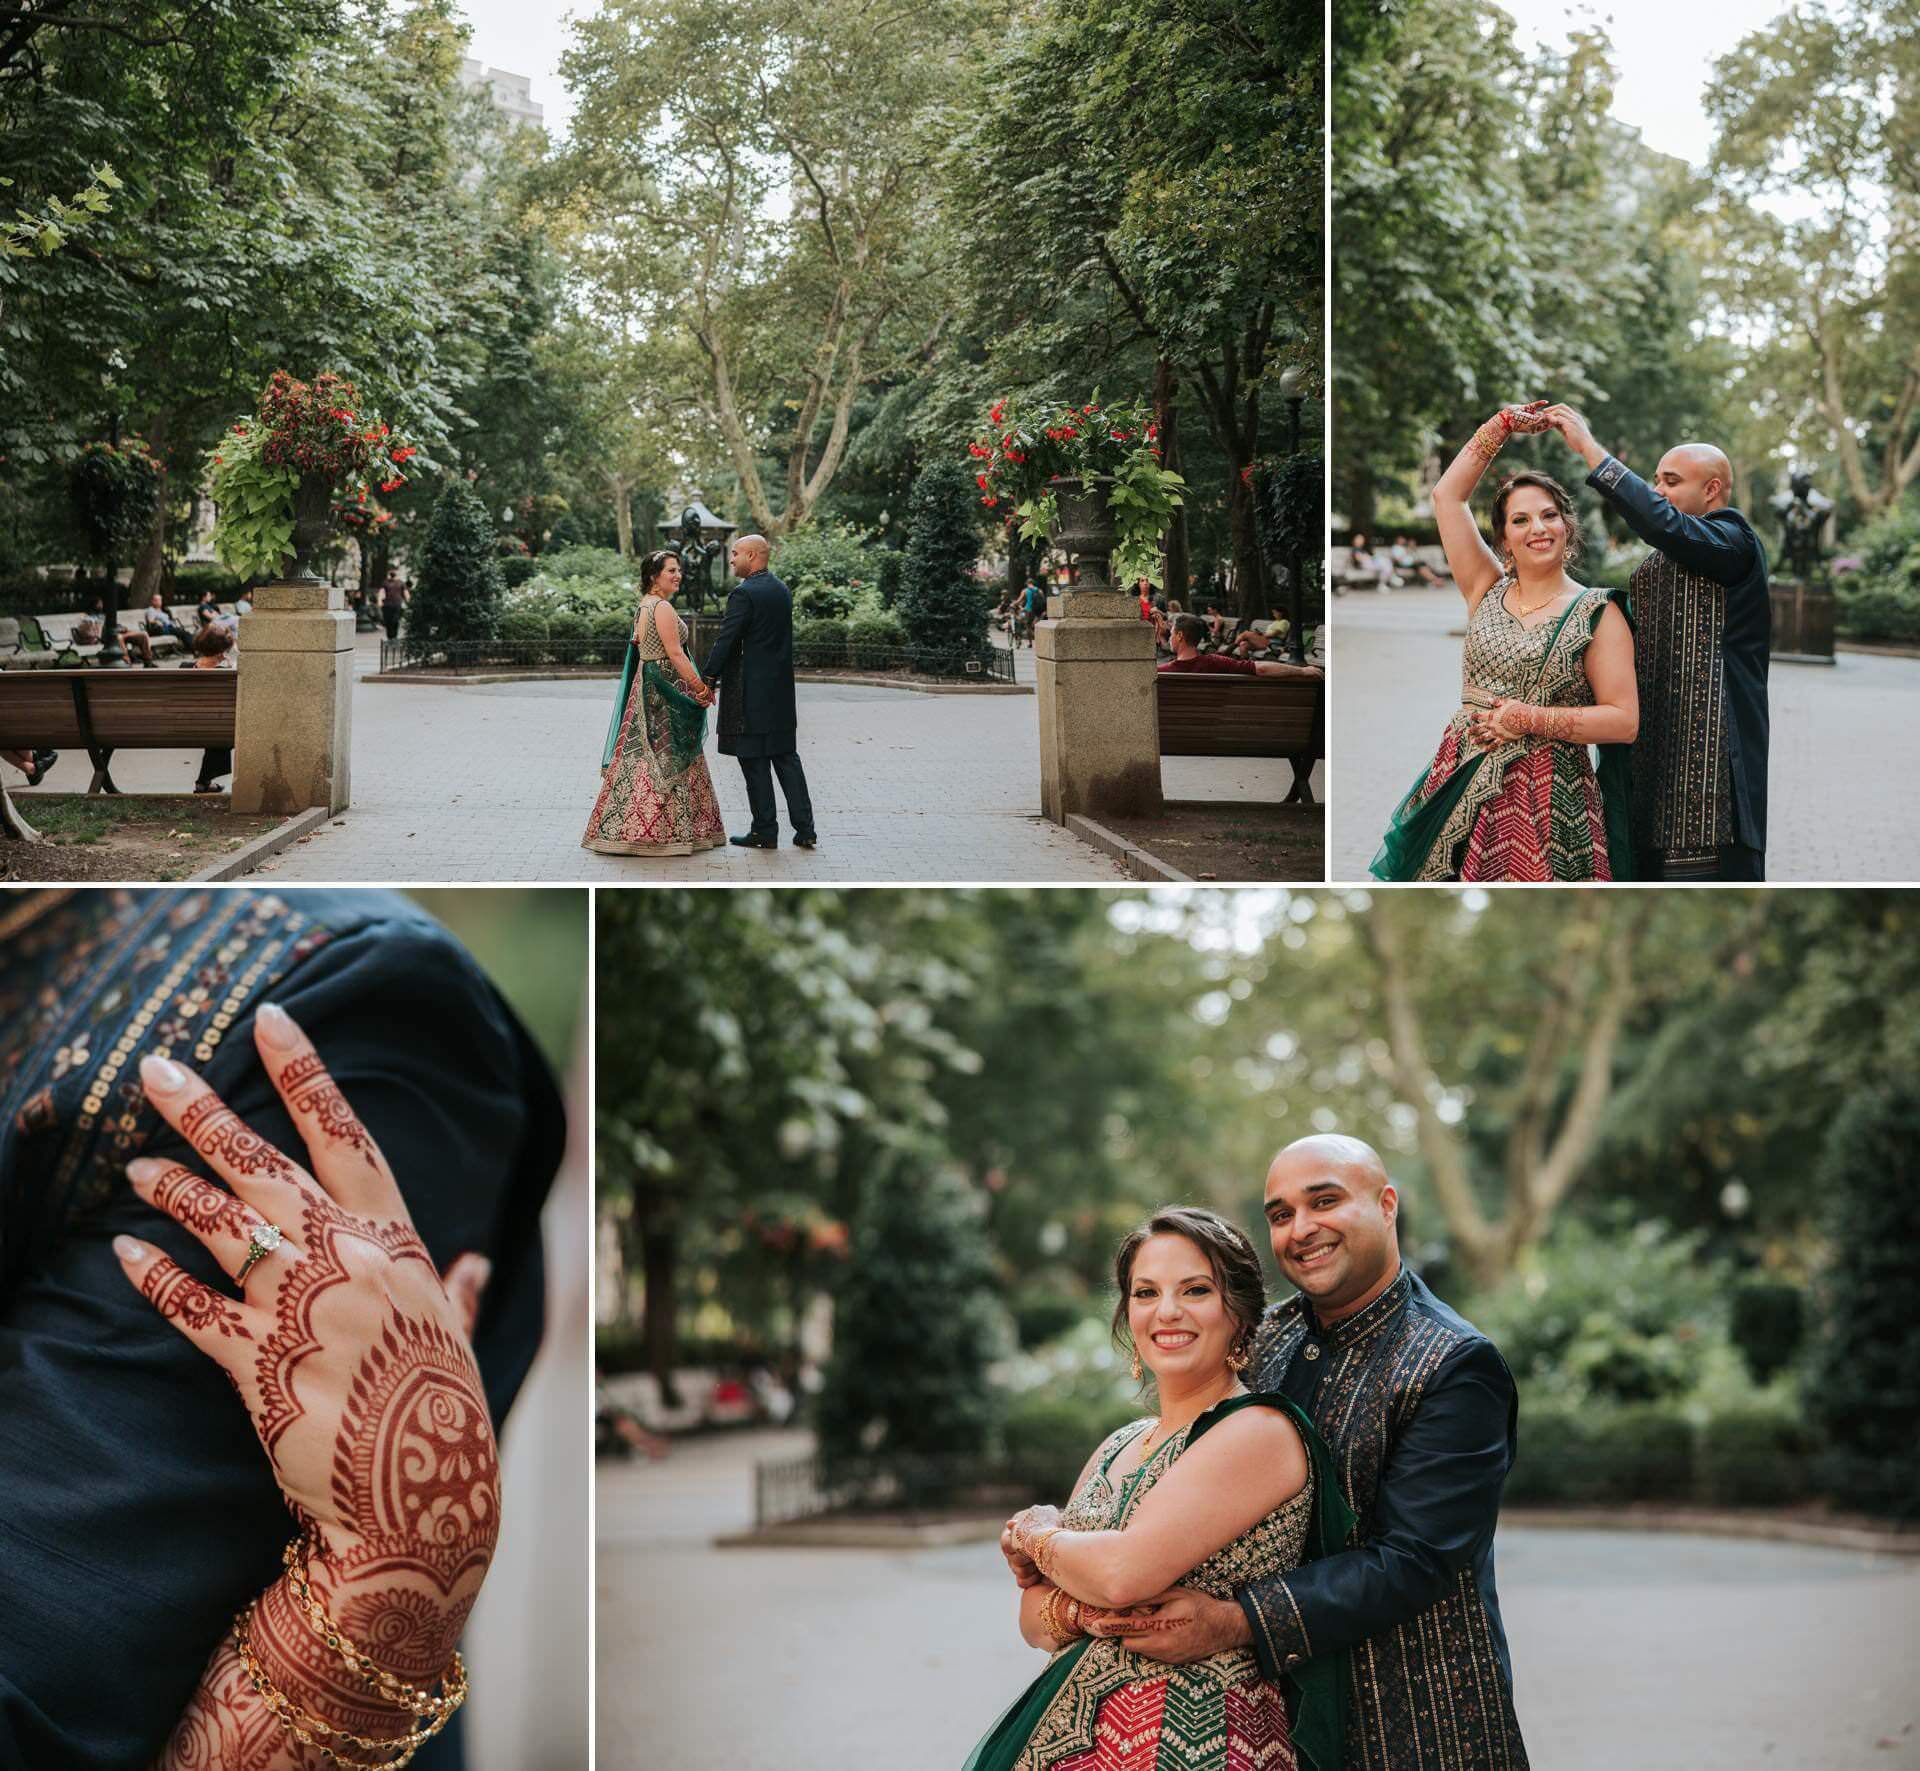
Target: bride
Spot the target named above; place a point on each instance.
(656, 795)
(1512, 793)
(1223, 1487)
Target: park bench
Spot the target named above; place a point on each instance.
(108, 710)
(22, 644)
(1344, 578)
(1205, 714)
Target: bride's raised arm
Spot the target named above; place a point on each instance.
(1472, 562)
(1218, 1489)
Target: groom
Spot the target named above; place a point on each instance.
(1420, 1411)
(752, 661)
(1702, 629)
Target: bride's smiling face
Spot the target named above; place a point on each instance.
(1176, 1313)
(667, 580)
(1534, 533)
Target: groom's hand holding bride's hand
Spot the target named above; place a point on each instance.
(1186, 1626)
(1577, 433)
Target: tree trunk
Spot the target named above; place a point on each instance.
(1166, 415)
(150, 563)
(618, 485)
(1251, 591)
(659, 1274)
(1360, 498)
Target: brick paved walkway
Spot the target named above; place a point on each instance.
(1845, 742)
(494, 782)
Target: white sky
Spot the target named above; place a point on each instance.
(1663, 50)
(529, 37)
(1663, 54)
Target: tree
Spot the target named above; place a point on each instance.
(457, 587)
(1185, 156)
(1820, 106)
(943, 607)
(1865, 1390)
(774, 217)
(917, 1320)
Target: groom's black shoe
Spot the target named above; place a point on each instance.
(807, 841)
(753, 841)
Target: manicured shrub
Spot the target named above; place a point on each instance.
(875, 640)
(820, 644)
(917, 1321)
(1866, 1402)
(524, 626)
(457, 592)
(1753, 1457)
(892, 574)
(516, 569)
(568, 630)
(942, 605)
(1049, 1438)
(1768, 1324)
(190, 581)
(611, 631)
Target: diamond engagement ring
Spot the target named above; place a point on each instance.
(264, 1240)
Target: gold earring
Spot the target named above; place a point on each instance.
(1240, 1358)
(1136, 1365)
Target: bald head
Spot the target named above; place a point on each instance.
(749, 554)
(1329, 1152)
(1332, 1215)
(1694, 478)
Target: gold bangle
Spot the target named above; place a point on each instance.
(311, 1730)
(296, 1557)
(1039, 1547)
(1049, 1614)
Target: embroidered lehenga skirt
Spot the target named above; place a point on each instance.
(1533, 809)
(657, 797)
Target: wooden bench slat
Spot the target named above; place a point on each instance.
(129, 709)
(1222, 715)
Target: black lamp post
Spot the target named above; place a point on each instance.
(1290, 391)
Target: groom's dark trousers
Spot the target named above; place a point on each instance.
(1420, 1411)
(1702, 620)
(752, 660)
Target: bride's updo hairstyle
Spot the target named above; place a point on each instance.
(1236, 1268)
(652, 566)
(1562, 502)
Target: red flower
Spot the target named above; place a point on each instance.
(392, 485)
(1246, 475)
(990, 502)
(993, 417)
(980, 480)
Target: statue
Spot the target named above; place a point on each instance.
(688, 540)
(1804, 515)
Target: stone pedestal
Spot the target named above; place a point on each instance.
(1099, 729)
(293, 727)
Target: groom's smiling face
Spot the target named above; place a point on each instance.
(1330, 1213)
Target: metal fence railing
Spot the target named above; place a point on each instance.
(786, 1490)
(991, 664)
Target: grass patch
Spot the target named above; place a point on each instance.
(132, 837)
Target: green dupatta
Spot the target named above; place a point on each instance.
(1317, 1690)
(1416, 826)
(686, 718)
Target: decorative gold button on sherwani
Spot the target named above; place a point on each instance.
(1311, 1350)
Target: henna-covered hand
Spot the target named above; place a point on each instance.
(352, 1359)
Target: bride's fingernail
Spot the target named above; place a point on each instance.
(128, 1249)
(276, 1026)
(162, 1076)
(143, 1169)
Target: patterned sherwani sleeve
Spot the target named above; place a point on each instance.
(1438, 1500)
(1718, 546)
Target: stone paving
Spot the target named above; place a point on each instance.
(1845, 747)
(1672, 1653)
(494, 782)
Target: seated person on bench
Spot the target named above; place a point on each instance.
(213, 650)
(1189, 630)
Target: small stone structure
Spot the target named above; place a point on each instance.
(293, 727)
